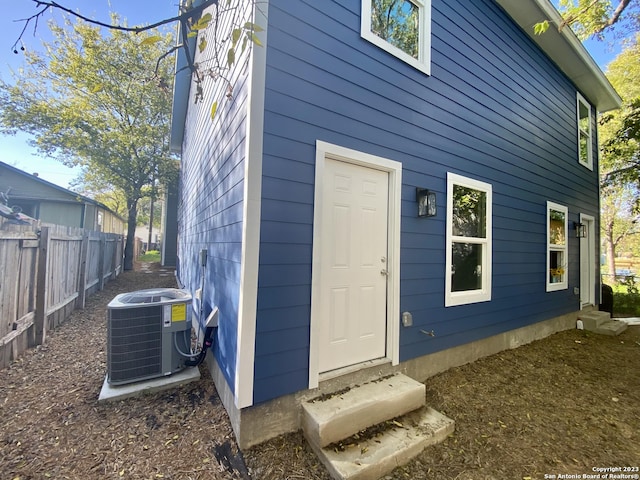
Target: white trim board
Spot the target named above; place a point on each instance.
(247, 304)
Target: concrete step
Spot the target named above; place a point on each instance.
(331, 418)
(593, 319)
(612, 327)
(371, 455)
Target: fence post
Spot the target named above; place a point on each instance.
(103, 243)
(114, 257)
(82, 277)
(40, 320)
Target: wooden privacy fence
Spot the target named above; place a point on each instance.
(47, 272)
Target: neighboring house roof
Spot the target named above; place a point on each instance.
(73, 196)
(562, 47)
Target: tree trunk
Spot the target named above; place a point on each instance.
(150, 224)
(131, 234)
(610, 251)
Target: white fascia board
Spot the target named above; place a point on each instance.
(564, 49)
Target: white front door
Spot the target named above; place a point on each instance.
(588, 263)
(353, 285)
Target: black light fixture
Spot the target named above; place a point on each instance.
(426, 202)
(581, 229)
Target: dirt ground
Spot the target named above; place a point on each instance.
(568, 404)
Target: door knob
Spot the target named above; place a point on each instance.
(384, 272)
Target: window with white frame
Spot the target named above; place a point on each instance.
(585, 144)
(469, 245)
(401, 27)
(557, 273)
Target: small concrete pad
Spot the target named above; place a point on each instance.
(630, 320)
(119, 392)
(612, 327)
(375, 457)
(327, 420)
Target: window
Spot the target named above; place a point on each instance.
(401, 27)
(557, 273)
(585, 143)
(468, 257)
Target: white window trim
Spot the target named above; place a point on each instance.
(483, 294)
(552, 287)
(423, 62)
(589, 163)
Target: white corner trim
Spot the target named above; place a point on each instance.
(326, 150)
(247, 305)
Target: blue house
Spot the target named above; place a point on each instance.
(403, 187)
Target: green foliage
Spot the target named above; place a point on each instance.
(541, 27)
(219, 49)
(626, 297)
(586, 17)
(629, 283)
(103, 103)
(144, 212)
(620, 130)
(589, 18)
(152, 256)
(396, 21)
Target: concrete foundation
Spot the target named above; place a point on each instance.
(254, 425)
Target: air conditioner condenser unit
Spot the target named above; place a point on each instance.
(143, 328)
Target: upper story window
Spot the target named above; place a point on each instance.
(401, 27)
(556, 247)
(585, 143)
(469, 243)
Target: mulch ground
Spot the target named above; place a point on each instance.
(568, 404)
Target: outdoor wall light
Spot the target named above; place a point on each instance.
(426, 202)
(581, 229)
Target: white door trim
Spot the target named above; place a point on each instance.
(587, 263)
(326, 150)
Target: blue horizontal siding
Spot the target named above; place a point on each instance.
(280, 319)
(494, 109)
(280, 385)
(211, 205)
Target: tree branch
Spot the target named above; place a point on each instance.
(574, 18)
(616, 14)
(47, 4)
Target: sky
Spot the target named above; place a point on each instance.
(16, 151)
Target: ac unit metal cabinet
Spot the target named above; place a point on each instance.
(141, 326)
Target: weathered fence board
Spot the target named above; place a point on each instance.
(47, 273)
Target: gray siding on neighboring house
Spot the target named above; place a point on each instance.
(494, 109)
(170, 226)
(51, 203)
(62, 214)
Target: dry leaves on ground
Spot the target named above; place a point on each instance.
(565, 404)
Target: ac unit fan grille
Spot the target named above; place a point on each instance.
(135, 343)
